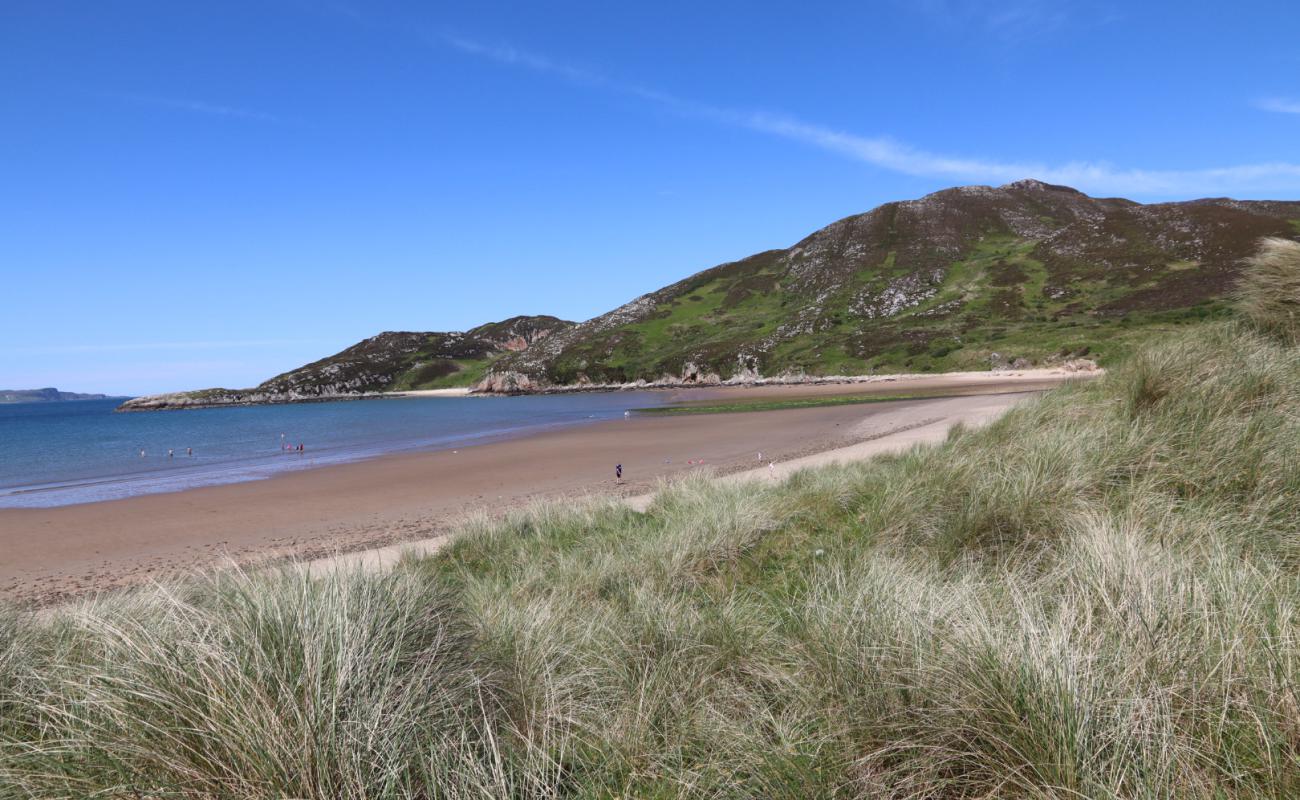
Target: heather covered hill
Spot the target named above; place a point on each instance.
(965, 278)
(968, 278)
(390, 361)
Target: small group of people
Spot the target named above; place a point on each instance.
(289, 447)
(171, 452)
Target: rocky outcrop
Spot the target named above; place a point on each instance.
(518, 333)
(389, 361)
(507, 383)
(218, 398)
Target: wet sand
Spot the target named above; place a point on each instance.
(53, 554)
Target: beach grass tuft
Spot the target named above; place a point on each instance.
(1095, 596)
(1269, 292)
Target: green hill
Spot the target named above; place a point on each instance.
(968, 278)
(965, 278)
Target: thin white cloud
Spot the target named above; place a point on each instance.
(1278, 105)
(886, 153)
(235, 344)
(1018, 22)
(505, 54)
(198, 107)
(1094, 176)
(1010, 20)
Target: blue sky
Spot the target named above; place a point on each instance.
(202, 193)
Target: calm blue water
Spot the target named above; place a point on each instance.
(76, 452)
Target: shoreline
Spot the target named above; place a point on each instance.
(1058, 372)
(456, 392)
(680, 400)
(183, 401)
(57, 554)
(261, 467)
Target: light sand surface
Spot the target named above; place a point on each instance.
(461, 392)
(947, 383)
(56, 553)
(874, 385)
(895, 428)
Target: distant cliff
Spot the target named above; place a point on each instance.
(47, 395)
(393, 361)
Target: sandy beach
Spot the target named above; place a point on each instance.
(54, 554)
(429, 393)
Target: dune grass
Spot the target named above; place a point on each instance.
(1269, 292)
(1096, 596)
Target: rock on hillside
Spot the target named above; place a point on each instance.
(965, 278)
(391, 361)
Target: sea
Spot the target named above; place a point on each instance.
(54, 454)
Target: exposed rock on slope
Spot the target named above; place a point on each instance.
(960, 279)
(390, 361)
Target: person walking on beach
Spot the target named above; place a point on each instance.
(618, 473)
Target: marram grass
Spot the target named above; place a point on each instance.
(1268, 294)
(1097, 596)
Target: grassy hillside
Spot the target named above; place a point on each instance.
(966, 278)
(1096, 596)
